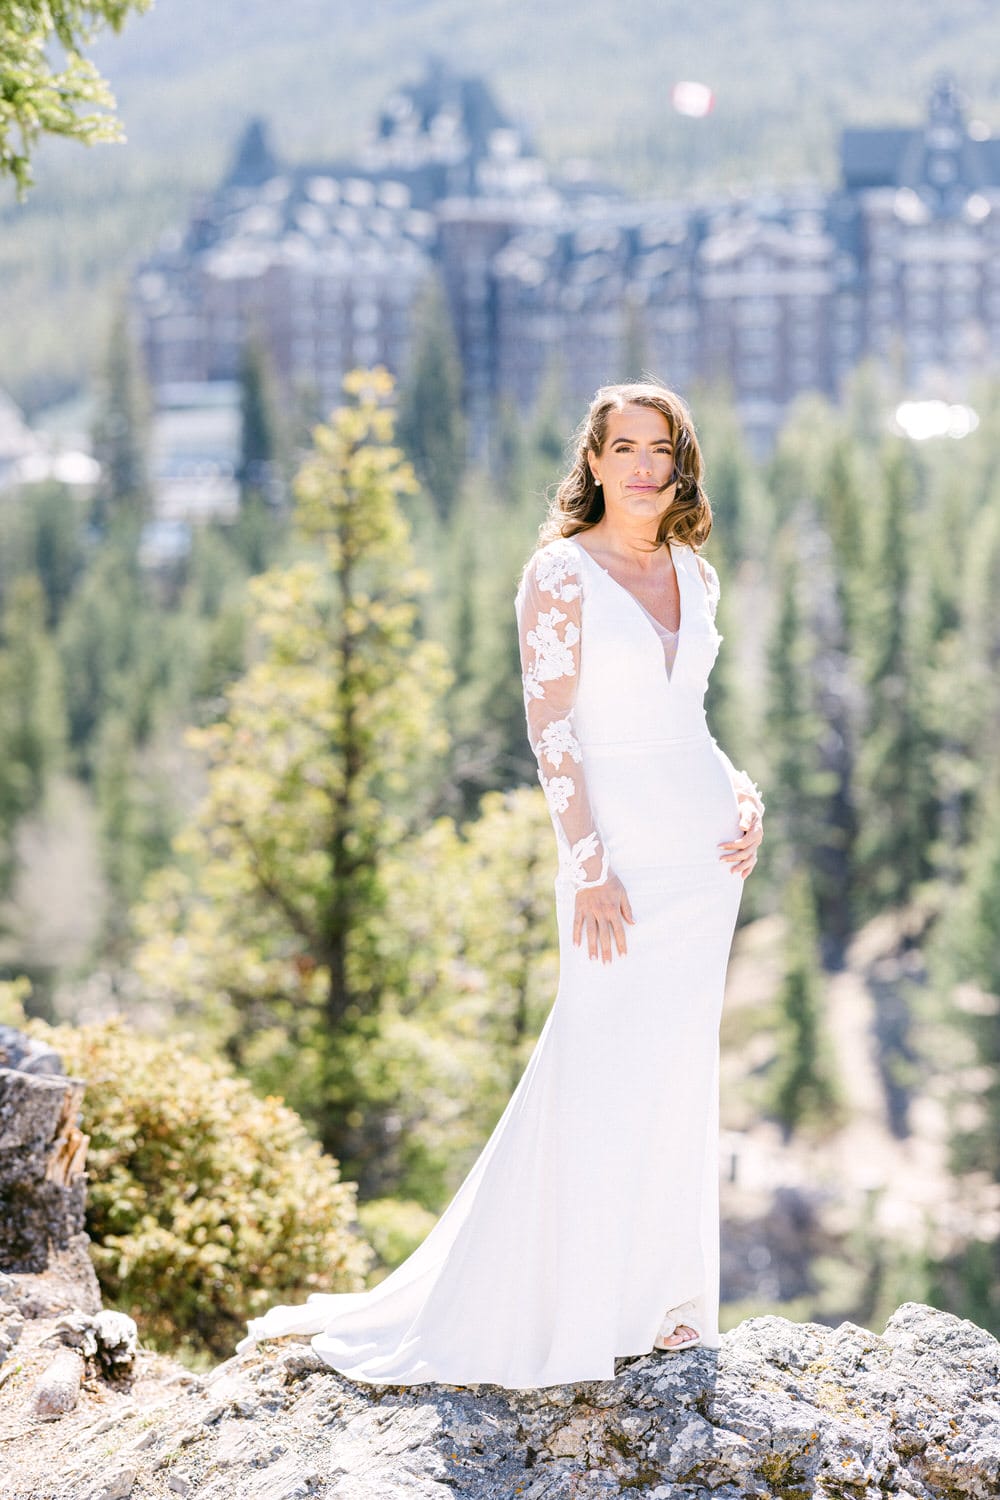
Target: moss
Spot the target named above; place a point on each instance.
(783, 1476)
(697, 1474)
(642, 1479)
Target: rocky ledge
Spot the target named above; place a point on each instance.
(781, 1410)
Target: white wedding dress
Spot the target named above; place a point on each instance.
(592, 1210)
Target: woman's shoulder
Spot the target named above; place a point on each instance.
(710, 578)
(554, 568)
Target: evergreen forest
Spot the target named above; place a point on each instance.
(273, 850)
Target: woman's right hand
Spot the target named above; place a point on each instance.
(600, 917)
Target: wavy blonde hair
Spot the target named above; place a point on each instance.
(578, 503)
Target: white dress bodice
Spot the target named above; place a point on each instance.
(667, 636)
(600, 672)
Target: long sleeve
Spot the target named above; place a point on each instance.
(745, 788)
(548, 610)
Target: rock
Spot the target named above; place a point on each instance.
(303, 1360)
(58, 1389)
(116, 1486)
(42, 1155)
(26, 1053)
(117, 1341)
(76, 1329)
(780, 1410)
(111, 1338)
(11, 1325)
(11, 1317)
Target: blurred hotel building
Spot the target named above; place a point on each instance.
(773, 293)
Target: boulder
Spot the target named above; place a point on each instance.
(42, 1158)
(798, 1411)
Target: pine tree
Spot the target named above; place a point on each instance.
(964, 681)
(112, 649)
(809, 801)
(136, 820)
(431, 425)
(43, 534)
(896, 793)
(802, 1086)
(547, 430)
(792, 723)
(740, 522)
(316, 771)
(121, 431)
(509, 453)
(965, 959)
(260, 426)
(32, 714)
(841, 509)
(965, 963)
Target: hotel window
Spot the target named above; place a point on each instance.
(757, 340)
(921, 305)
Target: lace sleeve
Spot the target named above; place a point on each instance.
(549, 616)
(746, 789)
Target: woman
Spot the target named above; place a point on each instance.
(588, 1227)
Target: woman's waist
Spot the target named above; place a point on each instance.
(653, 745)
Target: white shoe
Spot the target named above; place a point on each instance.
(677, 1317)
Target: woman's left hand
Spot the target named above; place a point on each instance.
(743, 850)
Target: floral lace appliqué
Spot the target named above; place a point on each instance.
(556, 572)
(557, 739)
(553, 652)
(558, 790)
(549, 638)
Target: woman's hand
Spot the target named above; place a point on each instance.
(743, 851)
(601, 914)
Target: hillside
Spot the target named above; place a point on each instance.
(586, 80)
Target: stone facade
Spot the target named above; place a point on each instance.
(774, 293)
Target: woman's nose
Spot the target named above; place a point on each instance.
(644, 463)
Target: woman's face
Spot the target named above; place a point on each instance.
(637, 461)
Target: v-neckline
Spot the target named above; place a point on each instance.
(649, 620)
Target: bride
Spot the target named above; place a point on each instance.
(588, 1227)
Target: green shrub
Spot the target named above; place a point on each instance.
(205, 1203)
